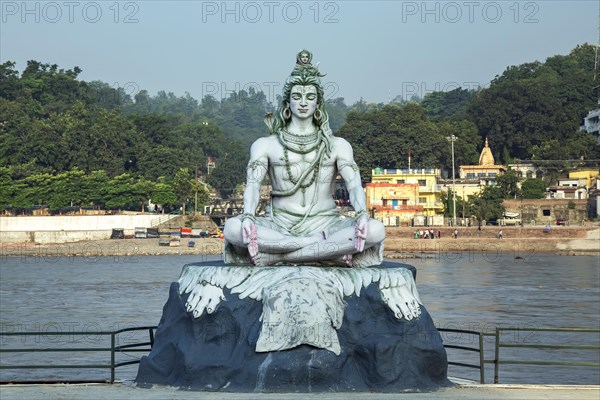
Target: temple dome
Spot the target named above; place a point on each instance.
(486, 158)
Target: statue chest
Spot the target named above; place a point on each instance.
(290, 166)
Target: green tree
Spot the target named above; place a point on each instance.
(67, 189)
(487, 204)
(534, 110)
(230, 170)
(463, 207)
(508, 184)
(183, 186)
(201, 195)
(92, 188)
(337, 110)
(533, 189)
(453, 103)
(163, 194)
(126, 192)
(383, 137)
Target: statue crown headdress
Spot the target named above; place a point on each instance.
(304, 66)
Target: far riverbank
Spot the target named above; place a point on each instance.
(400, 243)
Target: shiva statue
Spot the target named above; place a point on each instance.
(302, 158)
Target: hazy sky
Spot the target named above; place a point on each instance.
(370, 49)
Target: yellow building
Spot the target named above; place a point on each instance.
(422, 182)
(486, 171)
(393, 203)
(586, 177)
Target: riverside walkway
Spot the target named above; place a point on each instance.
(121, 391)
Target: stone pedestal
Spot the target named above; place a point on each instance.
(295, 329)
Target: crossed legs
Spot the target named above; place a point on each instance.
(274, 246)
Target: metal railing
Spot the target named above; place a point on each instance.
(475, 337)
(499, 344)
(479, 350)
(114, 349)
(164, 218)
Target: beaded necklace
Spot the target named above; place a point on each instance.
(297, 144)
(300, 144)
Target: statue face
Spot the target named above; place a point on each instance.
(303, 101)
(304, 58)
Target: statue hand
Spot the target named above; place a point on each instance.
(360, 232)
(249, 235)
(204, 297)
(401, 301)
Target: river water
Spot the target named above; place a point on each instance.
(461, 291)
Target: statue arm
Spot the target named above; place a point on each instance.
(350, 173)
(255, 173)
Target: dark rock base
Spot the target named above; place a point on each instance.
(217, 352)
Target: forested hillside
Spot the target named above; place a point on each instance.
(530, 112)
(58, 131)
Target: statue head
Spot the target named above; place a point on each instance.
(304, 57)
(304, 74)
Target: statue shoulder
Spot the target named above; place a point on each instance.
(263, 146)
(342, 147)
(265, 142)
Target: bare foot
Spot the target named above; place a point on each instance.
(251, 239)
(360, 233)
(348, 259)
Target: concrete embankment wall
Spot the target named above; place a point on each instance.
(64, 229)
(522, 242)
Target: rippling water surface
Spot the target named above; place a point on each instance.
(91, 295)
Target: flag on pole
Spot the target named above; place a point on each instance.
(408, 157)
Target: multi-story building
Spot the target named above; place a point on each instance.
(591, 123)
(527, 170)
(594, 200)
(585, 177)
(486, 171)
(405, 194)
(577, 186)
(472, 178)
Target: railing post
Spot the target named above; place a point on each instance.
(497, 355)
(481, 360)
(112, 357)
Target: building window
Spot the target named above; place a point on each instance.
(422, 182)
(546, 212)
(470, 175)
(400, 181)
(529, 175)
(422, 200)
(492, 174)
